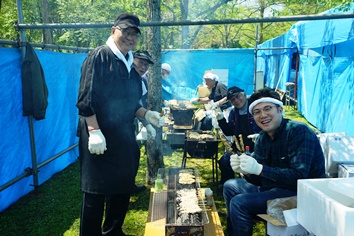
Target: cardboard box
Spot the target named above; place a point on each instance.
(326, 206)
(281, 217)
(203, 91)
(291, 228)
(345, 171)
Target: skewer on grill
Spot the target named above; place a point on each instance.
(226, 143)
(241, 143)
(238, 146)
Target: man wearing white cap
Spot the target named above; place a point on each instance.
(165, 70)
(284, 152)
(217, 98)
(218, 94)
(165, 73)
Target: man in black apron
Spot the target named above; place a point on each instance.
(108, 102)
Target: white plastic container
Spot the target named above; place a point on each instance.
(209, 197)
(326, 206)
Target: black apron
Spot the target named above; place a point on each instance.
(112, 93)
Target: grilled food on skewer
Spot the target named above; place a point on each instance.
(241, 143)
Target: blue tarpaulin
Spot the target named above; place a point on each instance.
(52, 135)
(326, 75)
(188, 68)
(326, 70)
(276, 63)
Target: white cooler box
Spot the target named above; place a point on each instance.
(325, 207)
(330, 170)
(340, 150)
(345, 171)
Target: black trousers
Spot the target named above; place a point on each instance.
(93, 206)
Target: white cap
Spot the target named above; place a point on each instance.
(166, 66)
(211, 76)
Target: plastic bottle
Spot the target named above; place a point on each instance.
(248, 151)
(158, 183)
(209, 197)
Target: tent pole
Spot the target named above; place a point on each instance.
(296, 73)
(30, 118)
(255, 60)
(188, 22)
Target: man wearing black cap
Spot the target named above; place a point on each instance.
(142, 61)
(109, 94)
(240, 122)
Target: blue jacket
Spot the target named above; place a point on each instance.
(231, 127)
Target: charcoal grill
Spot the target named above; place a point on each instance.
(165, 206)
(182, 116)
(201, 144)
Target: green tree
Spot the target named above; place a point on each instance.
(275, 8)
(154, 147)
(8, 19)
(201, 36)
(187, 10)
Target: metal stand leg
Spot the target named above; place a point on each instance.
(216, 168)
(184, 160)
(213, 167)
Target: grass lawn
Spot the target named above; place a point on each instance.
(53, 209)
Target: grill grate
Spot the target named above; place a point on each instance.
(166, 205)
(159, 207)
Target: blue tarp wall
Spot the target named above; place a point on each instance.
(188, 68)
(57, 131)
(52, 135)
(276, 63)
(326, 70)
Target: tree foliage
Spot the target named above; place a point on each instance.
(200, 36)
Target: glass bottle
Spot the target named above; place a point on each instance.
(158, 183)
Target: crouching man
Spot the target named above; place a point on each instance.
(284, 152)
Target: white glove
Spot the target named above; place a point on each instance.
(166, 103)
(250, 165)
(235, 164)
(253, 137)
(151, 132)
(214, 105)
(193, 100)
(219, 115)
(154, 118)
(96, 142)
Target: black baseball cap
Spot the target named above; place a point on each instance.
(126, 20)
(143, 55)
(232, 91)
